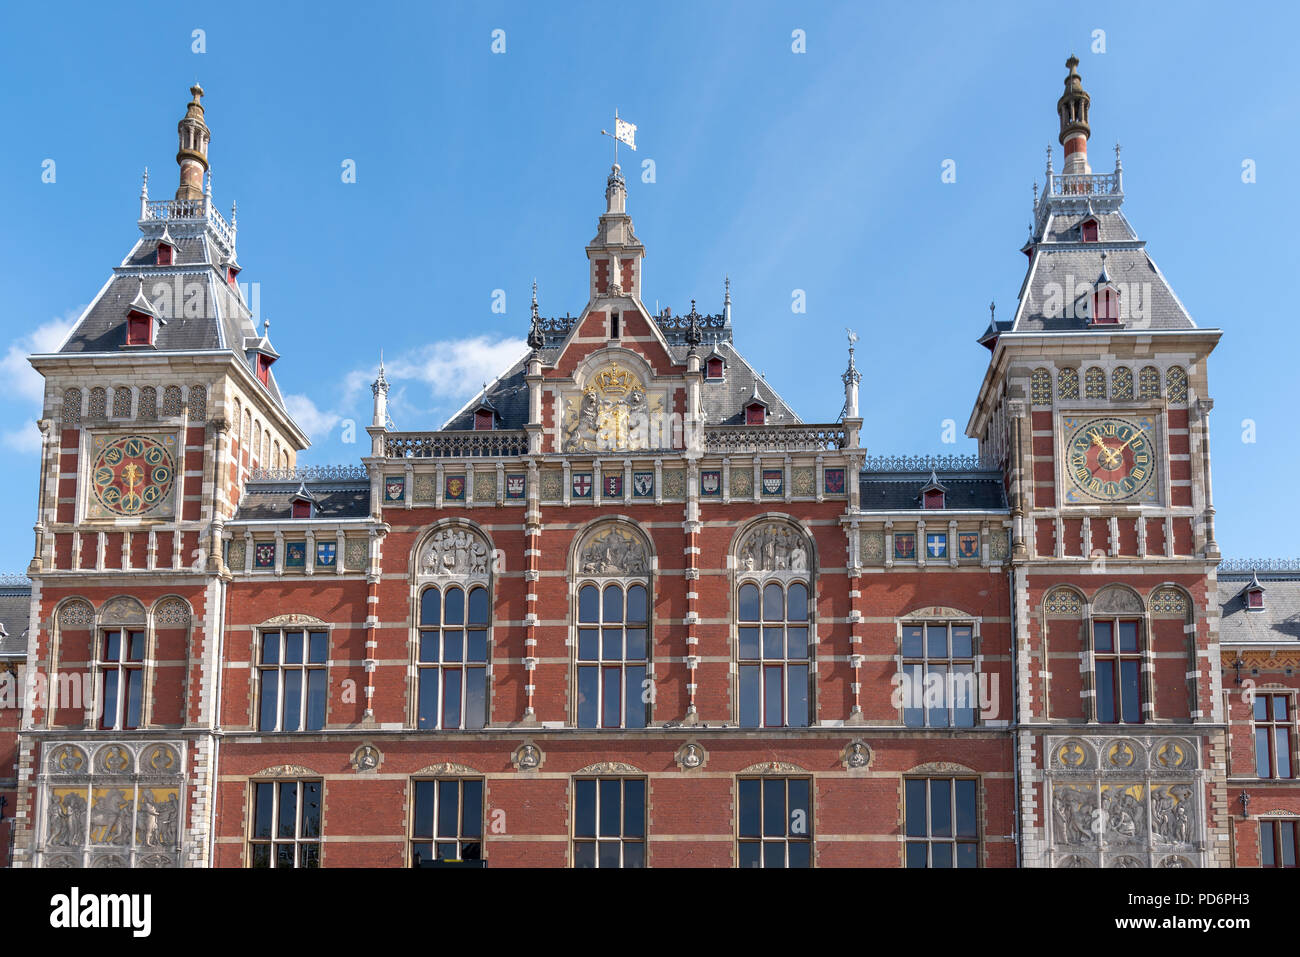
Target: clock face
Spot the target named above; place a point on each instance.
(1109, 459)
(132, 474)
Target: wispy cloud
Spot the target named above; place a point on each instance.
(313, 420)
(22, 387)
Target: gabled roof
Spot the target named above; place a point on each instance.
(273, 499)
(1277, 621)
(898, 491)
(15, 617)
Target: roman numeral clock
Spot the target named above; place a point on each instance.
(1109, 459)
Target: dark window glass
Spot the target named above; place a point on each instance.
(942, 822)
(774, 822)
(609, 822)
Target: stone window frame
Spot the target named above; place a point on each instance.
(952, 775)
(460, 777)
(283, 668)
(275, 781)
(467, 587)
(622, 839)
(784, 774)
(1289, 695)
(1274, 824)
(287, 622)
(1146, 690)
(949, 617)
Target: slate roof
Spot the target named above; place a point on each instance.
(1278, 620)
(882, 491)
(15, 607)
(273, 498)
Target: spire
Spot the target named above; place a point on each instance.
(144, 185)
(726, 300)
(615, 191)
(693, 335)
(535, 337)
(380, 388)
(851, 378)
(192, 158)
(1072, 108)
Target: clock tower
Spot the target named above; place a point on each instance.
(1096, 405)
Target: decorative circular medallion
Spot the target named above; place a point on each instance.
(132, 475)
(1110, 459)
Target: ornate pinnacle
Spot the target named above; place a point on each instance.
(851, 374)
(535, 338)
(693, 335)
(144, 186)
(381, 383)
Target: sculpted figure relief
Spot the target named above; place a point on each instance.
(613, 552)
(455, 552)
(774, 548)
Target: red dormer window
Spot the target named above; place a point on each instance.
(755, 414)
(714, 368)
(165, 253)
(231, 273)
(139, 329)
(1088, 230)
(483, 420)
(301, 508)
(1255, 598)
(263, 369)
(1105, 305)
(934, 498)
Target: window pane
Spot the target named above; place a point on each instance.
(965, 693)
(588, 644)
(261, 855)
(633, 808)
(967, 855)
(749, 852)
(1286, 843)
(774, 854)
(634, 706)
(136, 650)
(774, 807)
(914, 803)
(311, 809)
(913, 697)
(636, 604)
(584, 854)
(315, 699)
(1106, 691)
(588, 604)
(429, 641)
(912, 642)
(609, 854)
(318, 648)
(967, 825)
(271, 648)
(611, 644)
(1103, 636)
(941, 855)
(446, 851)
(288, 808)
(798, 601)
(453, 645)
(749, 807)
(471, 812)
(1128, 637)
(110, 703)
(1284, 752)
(584, 808)
(1262, 768)
(263, 813)
(454, 606)
(422, 824)
(430, 607)
(292, 706)
(612, 610)
(748, 602)
(940, 808)
(451, 698)
(293, 647)
(448, 808)
(476, 645)
(1279, 708)
(936, 696)
(962, 641)
(773, 640)
(936, 641)
(269, 704)
(800, 817)
(611, 701)
(772, 696)
(773, 603)
(112, 646)
(428, 698)
(749, 698)
(588, 696)
(611, 809)
(636, 650)
(284, 855)
(916, 856)
(1261, 707)
(1268, 854)
(478, 606)
(796, 642)
(475, 697)
(1128, 675)
(800, 854)
(798, 696)
(749, 644)
(134, 693)
(633, 854)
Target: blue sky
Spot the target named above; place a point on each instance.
(478, 171)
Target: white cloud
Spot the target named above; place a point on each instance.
(18, 380)
(454, 370)
(310, 418)
(26, 439)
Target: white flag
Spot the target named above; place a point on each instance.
(625, 132)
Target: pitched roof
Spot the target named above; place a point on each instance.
(1278, 620)
(15, 612)
(333, 498)
(900, 491)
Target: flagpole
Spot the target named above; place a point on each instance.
(616, 136)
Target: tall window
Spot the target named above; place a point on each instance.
(773, 650)
(121, 664)
(1272, 736)
(448, 821)
(286, 824)
(613, 650)
(1119, 667)
(774, 824)
(609, 822)
(942, 822)
(292, 673)
(939, 685)
(1278, 845)
(453, 657)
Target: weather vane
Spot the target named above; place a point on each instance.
(624, 132)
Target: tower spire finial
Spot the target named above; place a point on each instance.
(536, 339)
(1072, 108)
(192, 156)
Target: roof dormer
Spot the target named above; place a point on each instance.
(232, 270)
(1102, 305)
(715, 366)
(756, 408)
(1089, 229)
(933, 493)
(485, 415)
(142, 319)
(261, 354)
(166, 255)
(1253, 594)
(303, 503)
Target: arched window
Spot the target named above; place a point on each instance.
(1067, 384)
(1118, 640)
(120, 657)
(198, 403)
(72, 407)
(613, 654)
(1121, 383)
(453, 654)
(1176, 385)
(148, 402)
(773, 651)
(122, 402)
(453, 629)
(1149, 383)
(1040, 387)
(1094, 383)
(612, 650)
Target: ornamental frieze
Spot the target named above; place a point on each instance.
(613, 551)
(454, 552)
(774, 547)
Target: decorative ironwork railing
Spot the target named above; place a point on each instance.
(1086, 184)
(926, 463)
(165, 209)
(674, 328)
(456, 444)
(776, 438)
(1260, 565)
(311, 473)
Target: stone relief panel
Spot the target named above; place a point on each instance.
(454, 552)
(113, 804)
(774, 547)
(614, 411)
(1124, 801)
(613, 551)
